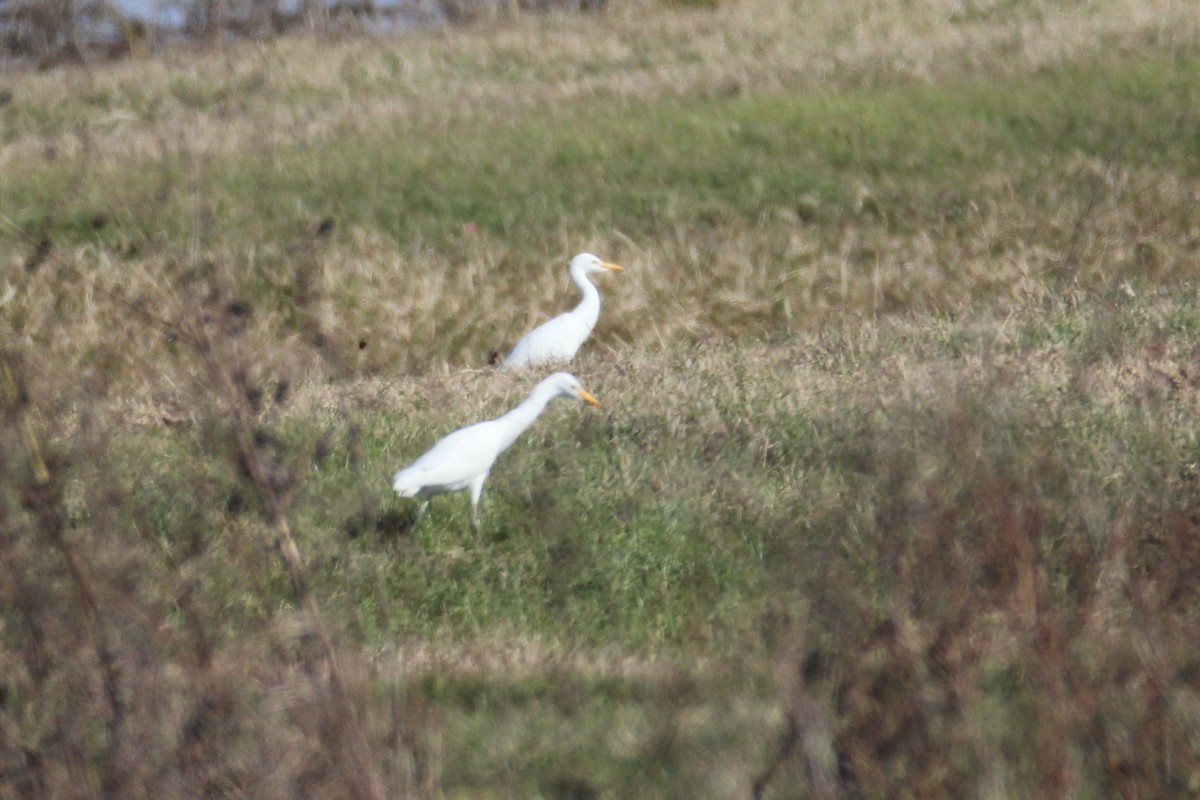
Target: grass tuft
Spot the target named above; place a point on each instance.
(893, 489)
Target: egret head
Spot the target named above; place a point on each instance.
(586, 262)
(569, 386)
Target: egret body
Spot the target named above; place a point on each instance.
(560, 338)
(463, 459)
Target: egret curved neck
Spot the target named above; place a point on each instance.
(516, 421)
(588, 310)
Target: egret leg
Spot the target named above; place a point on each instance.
(476, 491)
(420, 512)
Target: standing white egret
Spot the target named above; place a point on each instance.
(560, 338)
(463, 459)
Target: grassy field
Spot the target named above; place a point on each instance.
(895, 486)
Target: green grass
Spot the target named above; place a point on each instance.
(686, 530)
(892, 490)
(687, 161)
(664, 519)
(743, 215)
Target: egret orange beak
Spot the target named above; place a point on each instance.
(586, 396)
(614, 267)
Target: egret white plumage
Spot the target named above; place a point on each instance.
(561, 337)
(463, 459)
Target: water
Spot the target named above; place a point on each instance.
(152, 12)
(172, 15)
(104, 27)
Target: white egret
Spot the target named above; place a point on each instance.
(560, 338)
(463, 459)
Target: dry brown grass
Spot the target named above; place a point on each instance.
(221, 101)
(117, 681)
(962, 535)
(379, 310)
(905, 666)
(379, 307)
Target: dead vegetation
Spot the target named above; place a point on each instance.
(119, 679)
(862, 532)
(214, 102)
(1011, 648)
(970, 602)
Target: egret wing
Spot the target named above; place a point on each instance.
(452, 462)
(556, 340)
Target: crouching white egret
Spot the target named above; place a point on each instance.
(463, 459)
(560, 338)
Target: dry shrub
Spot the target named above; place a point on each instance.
(1011, 649)
(49, 33)
(119, 674)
